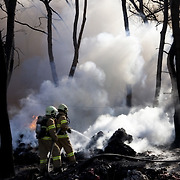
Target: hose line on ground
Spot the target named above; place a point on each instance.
(84, 164)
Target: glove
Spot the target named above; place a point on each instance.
(69, 130)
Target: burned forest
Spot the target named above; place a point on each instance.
(90, 89)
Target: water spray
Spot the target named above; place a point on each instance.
(77, 132)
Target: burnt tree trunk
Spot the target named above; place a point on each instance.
(175, 96)
(160, 54)
(172, 73)
(9, 49)
(76, 51)
(77, 40)
(126, 22)
(6, 153)
(6, 68)
(140, 10)
(49, 40)
(126, 26)
(175, 4)
(142, 14)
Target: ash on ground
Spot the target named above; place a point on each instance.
(117, 161)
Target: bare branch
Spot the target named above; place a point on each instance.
(40, 23)
(35, 29)
(56, 13)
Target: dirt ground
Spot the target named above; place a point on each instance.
(117, 161)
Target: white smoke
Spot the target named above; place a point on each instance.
(109, 62)
(146, 125)
(87, 98)
(86, 101)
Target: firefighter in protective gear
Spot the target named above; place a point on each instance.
(45, 143)
(63, 138)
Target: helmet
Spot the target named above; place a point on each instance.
(63, 107)
(51, 110)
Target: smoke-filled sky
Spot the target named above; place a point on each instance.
(109, 62)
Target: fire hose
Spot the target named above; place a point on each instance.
(84, 164)
(51, 150)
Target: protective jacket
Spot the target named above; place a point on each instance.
(51, 130)
(63, 138)
(45, 144)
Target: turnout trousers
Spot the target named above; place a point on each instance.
(44, 148)
(64, 142)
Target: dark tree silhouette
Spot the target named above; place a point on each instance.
(140, 10)
(160, 54)
(49, 40)
(6, 68)
(77, 40)
(175, 51)
(7, 167)
(126, 21)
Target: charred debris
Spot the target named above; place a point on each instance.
(117, 161)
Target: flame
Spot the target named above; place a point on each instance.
(32, 126)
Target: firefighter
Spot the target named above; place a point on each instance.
(63, 138)
(45, 142)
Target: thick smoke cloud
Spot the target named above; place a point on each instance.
(109, 63)
(145, 125)
(86, 101)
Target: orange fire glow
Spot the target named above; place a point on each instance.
(32, 126)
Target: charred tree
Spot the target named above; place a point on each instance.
(6, 68)
(126, 26)
(49, 40)
(126, 22)
(160, 54)
(140, 10)
(175, 4)
(77, 40)
(175, 97)
(7, 167)
(172, 73)
(9, 48)
(129, 95)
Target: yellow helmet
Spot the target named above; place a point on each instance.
(51, 111)
(63, 107)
